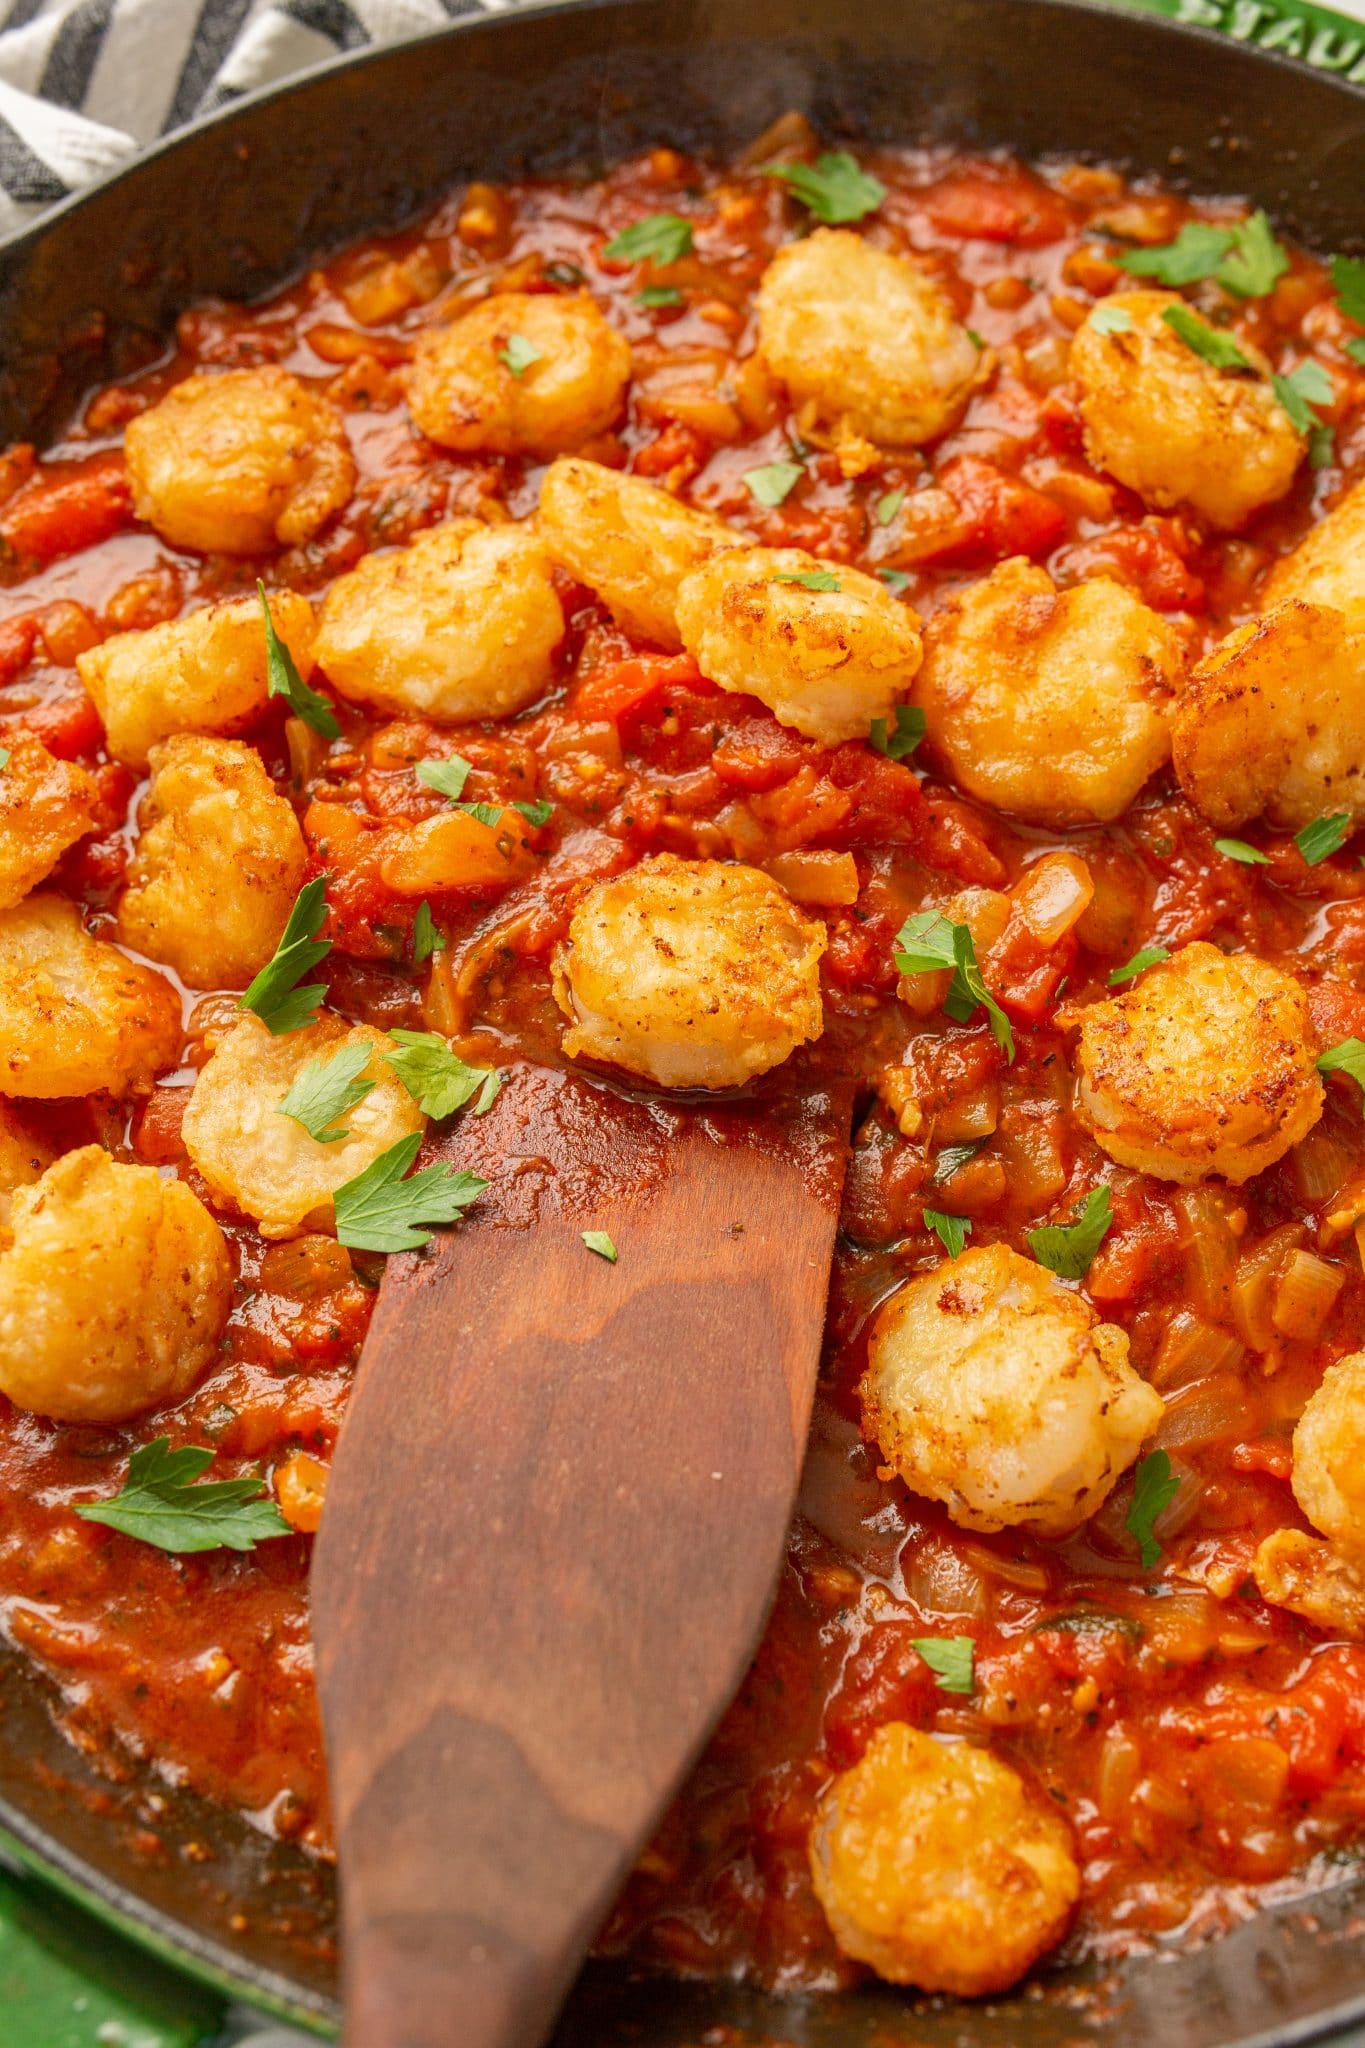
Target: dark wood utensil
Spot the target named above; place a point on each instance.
(553, 1527)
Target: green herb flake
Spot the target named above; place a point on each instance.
(1237, 849)
(835, 189)
(660, 238)
(519, 354)
(774, 481)
(380, 1211)
(447, 777)
(809, 579)
(1068, 1249)
(600, 1242)
(897, 744)
(1211, 343)
(436, 1078)
(952, 1231)
(1306, 386)
(1195, 254)
(160, 1504)
(951, 1659)
(426, 939)
(896, 580)
(1256, 261)
(1155, 1486)
(4, 757)
(976, 340)
(484, 814)
(1355, 349)
(537, 814)
(951, 1158)
(887, 506)
(1150, 956)
(1346, 1057)
(274, 996)
(1322, 448)
(325, 1089)
(1348, 279)
(928, 942)
(1325, 836)
(1107, 319)
(284, 680)
(656, 296)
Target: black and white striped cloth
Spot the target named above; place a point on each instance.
(85, 84)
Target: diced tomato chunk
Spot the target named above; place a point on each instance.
(1150, 558)
(156, 1131)
(1004, 516)
(18, 637)
(995, 203)
(624, 686)
(68, 506)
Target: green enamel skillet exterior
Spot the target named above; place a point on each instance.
(361, 145)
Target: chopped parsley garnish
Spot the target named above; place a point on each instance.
(1150, 956)
(976, 340)
(600, 1242)
(1300, 391)
(809, 579)
(1346, 1057)
(657, 295)
(1068, 1249)
(1155, 1486)
(437, 1079)
(284, 680)
(537, 813)
(660, 238)
(1355, 349)
(896, 580)
(909, 731)
(951, 1158)
(950, 1658)
(4, 757)
(519, 354)
(952, 1231)
(929, 941)
(1237, 849)
(1323, 837)
(1195, 253)
(1209, 342)
(1256, 261)
(447, 777)
(325, 1089)
(1108, 319)
(274, 995)
(483, 814)
(426, 939)
(887, 506)
(1348, 276)
(159, 1503)
(835, 189)
(774, 481)
(380, 1211)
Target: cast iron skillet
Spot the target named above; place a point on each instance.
(235, 207)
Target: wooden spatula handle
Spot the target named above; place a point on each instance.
(552, 1530)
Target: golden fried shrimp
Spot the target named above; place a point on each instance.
(239, 463)
(203, 673)
(937, 1865)
(629, 541)
(1295, 1570)
(1328, 565)
(524, 373)
(694, 974)
(1205, 1066)
(867, 344)
(1272, 722)
(114, 1291)
(265, 1163)
(217, 864)
(1329, 1457)
(992, 1388)
(1171, 426)
(1048, 704)
(826, 654)
(76, 1016)
(462, 624)
(46, 805)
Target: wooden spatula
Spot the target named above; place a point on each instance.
(553, 1527)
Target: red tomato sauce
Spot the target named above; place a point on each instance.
(1202, 1743)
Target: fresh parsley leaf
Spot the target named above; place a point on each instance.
(906, 737)
(4, 757)
(835, 189)
(325, 1089)
(887, 506)
(600, 1242)
(1209, 342)
(437, 1079)
(1068, 1249)
(1323, 837)
(929, 941)
(809, 579)
(1356, 349)
(774, 481)
(284, 680)
(659, 295)
(1322, 448)
(274, 995)
(1348, 276)
(519, 354)
(1237, 849)
(1346, 1057)
(486, 814)
(379, 1211)
(951, 1158)
(426, 939)
(1108, 319)
(896, 580)
(1195, 253)
(159, 1504)
(1150, 956)
(976, 340)
(538, 813)
(952, 1231)
(1155, 1486)
(950, 1658)
(660, 238)
(1303, 388)
(1256, 261)
(447, 777)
